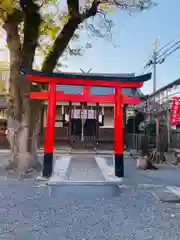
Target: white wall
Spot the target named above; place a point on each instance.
(108, 117)
(59, 116)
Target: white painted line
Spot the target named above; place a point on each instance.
(175, 190)
(146, 186)
(3, 151)
(151, 185)
(60, 168)
(107, 171)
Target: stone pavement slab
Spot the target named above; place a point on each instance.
(61, 164)
(84, 168)
(166, 195)
(107, 170)
(175, 190)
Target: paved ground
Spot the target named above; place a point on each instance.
(32, 211)
(167, 174)
(84, 168)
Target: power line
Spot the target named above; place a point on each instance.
(161, 58)
(164, 47)
(168, 49)
(168, 54)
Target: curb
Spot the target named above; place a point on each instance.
(80, 183)
(174, 189)
(60, 169)
(107, 171)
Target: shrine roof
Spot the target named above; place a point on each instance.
(91, 76)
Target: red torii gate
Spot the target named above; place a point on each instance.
(106, 80)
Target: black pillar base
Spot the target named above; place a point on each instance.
(119, 165)
(47, 165)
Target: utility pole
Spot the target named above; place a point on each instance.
(154, 64)
(154, 90)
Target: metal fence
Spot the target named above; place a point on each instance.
(175, 140)
(134, 141)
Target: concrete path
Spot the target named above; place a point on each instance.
(76, 169)
(107, 170)
(84, 168)
(61, 165)
(166, 175)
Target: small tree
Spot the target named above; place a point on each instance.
(33, 29)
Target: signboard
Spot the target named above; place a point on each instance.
(75, 113)
(85, 114)
(175, 111)
(152, 108)
(91, 114)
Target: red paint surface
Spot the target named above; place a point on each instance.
(175, 111)
(61, 96)
(50, 121)
(83, 82)
(118, 122)
(86, 91)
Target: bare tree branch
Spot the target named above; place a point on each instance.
(73, 7)
(66, 35)
(31, 31)
(92, 11)
(138, 4)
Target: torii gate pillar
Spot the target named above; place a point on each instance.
(50, 130)
(118, 134)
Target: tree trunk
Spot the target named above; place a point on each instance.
(23, 119)
(23, 137)
(22, 122)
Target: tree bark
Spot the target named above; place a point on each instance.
(22, 123)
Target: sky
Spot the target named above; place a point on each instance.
(132, 44)
(133, 37)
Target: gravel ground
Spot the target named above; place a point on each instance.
(32, 212)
